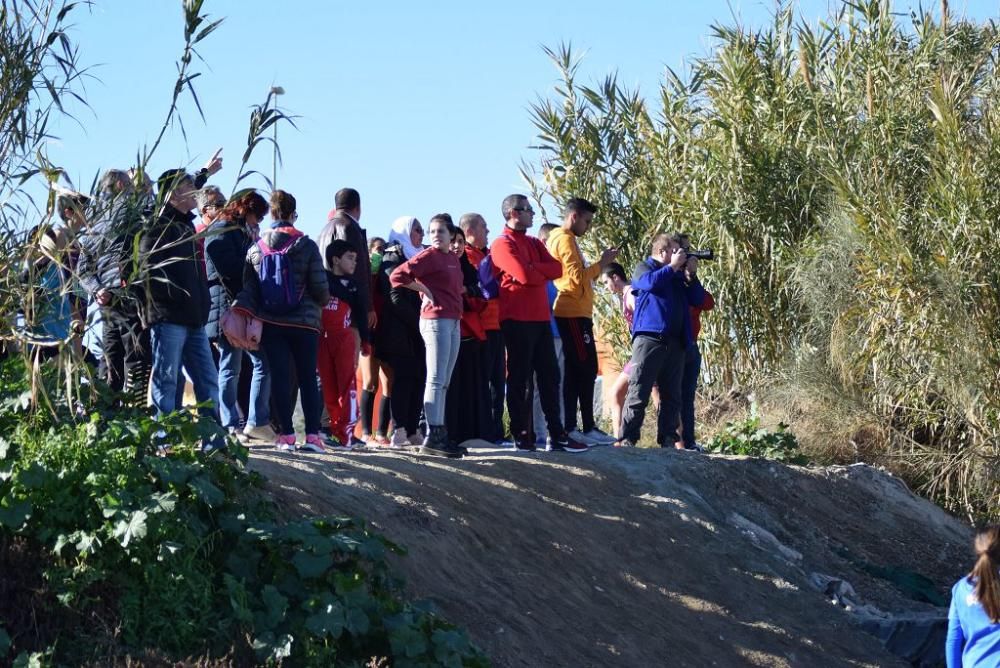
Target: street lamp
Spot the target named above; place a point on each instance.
(275, 91)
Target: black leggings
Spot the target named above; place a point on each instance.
(408, 377)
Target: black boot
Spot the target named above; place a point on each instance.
(436, 443)
(454, 445)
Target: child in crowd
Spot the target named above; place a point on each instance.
(617, 283)
(974, 617)
(336, 362)
(436, 274)
(375, 372)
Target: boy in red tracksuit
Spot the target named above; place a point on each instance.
(344, 323)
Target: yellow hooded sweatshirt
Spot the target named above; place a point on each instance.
(575, 298)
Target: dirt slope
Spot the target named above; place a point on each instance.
(640, 557)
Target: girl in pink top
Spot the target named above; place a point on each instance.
(437, 275)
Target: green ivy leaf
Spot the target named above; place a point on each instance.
(88, 543)
(25, 660)
(14, 514)
(5, 448)
(33, 477)
(131, 528)
(276, 604)
(329, 621)
(206, 491)
(310, 565)
(267, 646)
(5, 642)
(357, 622)
(407, 641)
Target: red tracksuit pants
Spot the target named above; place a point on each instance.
(337, 364)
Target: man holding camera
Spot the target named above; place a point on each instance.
(661, 332)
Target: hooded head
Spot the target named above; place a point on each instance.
(402, 229)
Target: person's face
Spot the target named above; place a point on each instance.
(458, 245)
(417, 234)
(209, 212)
(346, 262)
(479, 233)
(253, 221)
(522, 215)
(440, 237)
(613, 284)
(668, 252)
(182, 197)
(377, 249)
(75, 220)
(581, 223)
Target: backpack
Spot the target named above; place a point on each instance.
(488, 278)
(278, 293)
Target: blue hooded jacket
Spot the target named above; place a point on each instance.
(663, 297)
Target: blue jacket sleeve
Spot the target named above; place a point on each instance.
(656, 281)
(955, 641)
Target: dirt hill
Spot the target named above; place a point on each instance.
(650, 557)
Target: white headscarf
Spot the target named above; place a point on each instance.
(401, 228)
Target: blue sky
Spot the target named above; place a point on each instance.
(421, 106)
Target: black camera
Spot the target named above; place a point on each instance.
(704, 254)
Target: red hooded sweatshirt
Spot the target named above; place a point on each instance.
(525, 268)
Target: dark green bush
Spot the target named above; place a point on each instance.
(185, 553)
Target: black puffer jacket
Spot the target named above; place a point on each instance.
(307, 272)
(398, 331)
(174, 280)
(226, 249)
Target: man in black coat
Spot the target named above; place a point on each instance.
(344, 225)
(177, 298)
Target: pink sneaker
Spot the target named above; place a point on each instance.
(314, 444)
(285, 443)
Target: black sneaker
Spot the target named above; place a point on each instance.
(441, 450)
(564, 443)
(525, 443)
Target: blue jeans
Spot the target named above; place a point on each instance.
(442, 339)
(230, 363)
(689, 385)
(285, 346)
(176, 344)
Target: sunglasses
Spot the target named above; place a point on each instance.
(526, 209)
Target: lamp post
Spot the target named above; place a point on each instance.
(275, 91)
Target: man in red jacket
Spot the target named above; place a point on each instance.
(524, 267)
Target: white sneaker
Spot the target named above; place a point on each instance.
(599, 437)
(399, 439)
(580, 437)
(263, 433)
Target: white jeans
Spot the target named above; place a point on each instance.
(442, 337)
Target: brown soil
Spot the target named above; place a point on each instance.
(638, 557)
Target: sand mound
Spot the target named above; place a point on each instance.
(650, 557)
